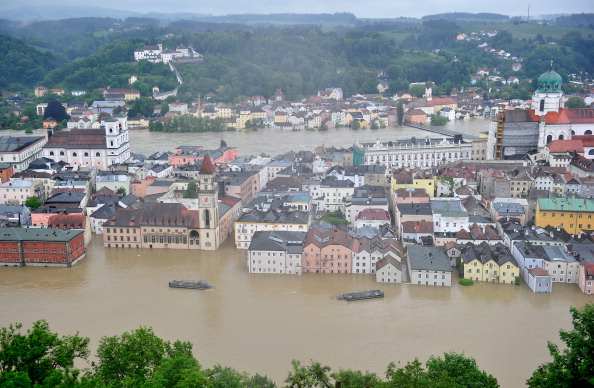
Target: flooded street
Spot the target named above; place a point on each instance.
(259, 323)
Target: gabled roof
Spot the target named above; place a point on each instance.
(207, 167)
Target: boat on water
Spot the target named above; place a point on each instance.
(361, 295)
(195, 285)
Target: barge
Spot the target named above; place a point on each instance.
(361, 295)
(195, 285)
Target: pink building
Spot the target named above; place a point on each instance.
(186, 155)
(586, 278)
(411, 195)
(328, 251)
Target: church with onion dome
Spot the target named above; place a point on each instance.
(513, 134)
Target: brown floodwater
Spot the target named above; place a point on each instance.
(258, 323)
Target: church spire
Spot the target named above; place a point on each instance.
(207, 167)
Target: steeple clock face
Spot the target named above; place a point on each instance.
(205, 202)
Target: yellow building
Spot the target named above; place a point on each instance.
(571, 214)
(416, 180)
(489, 263)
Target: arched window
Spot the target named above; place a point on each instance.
(542, 105)
(111, 143)
(110, 130)
(97, 153)
(51, 153)
(591, 152)
(86, 154)
(61, 153)
(588, 132)
(561, 137)
(572, 132)
(74, 154)
(549, 139)
(206, 215)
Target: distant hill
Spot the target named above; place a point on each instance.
(465, 17)
(581, 20)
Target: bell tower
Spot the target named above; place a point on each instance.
(208, 205)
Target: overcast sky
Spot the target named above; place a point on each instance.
(361, 8)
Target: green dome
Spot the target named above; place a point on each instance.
(550, 82)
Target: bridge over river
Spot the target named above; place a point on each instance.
(441, 131)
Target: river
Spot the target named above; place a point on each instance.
(259, 323)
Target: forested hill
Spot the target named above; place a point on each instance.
(465, 17)
(22, 63)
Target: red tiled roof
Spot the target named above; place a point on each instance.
(587, 140)
(589, 268)
(537, 271)
(78, 138)
(67, 221)
(417, 227)
(566, 146)
(374, 214)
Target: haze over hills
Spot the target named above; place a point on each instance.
(26, 10)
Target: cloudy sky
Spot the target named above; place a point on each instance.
(367, 8)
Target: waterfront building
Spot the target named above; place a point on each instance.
(327, 249)
(489, 263)
(370, 251)
(277, 252)
(99, 148)
(389, 270)
(586, 278)
(428, 152)
(264, 220)
(539, 280)
(41, 247)
(428, 266)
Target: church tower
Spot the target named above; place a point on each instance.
(208, 205)
(549, 96)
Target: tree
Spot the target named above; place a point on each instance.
(138, 357)
(191, 190)
(56, 110)
(574, 366)
(456, 370)
(417, 90)
(313, 375)
(33, 203)
(121, 191)
(39, 357)
(575, 102)
(356, 124)
(223, 143)
(439, 120)
(400, 113)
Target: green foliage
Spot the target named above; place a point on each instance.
(189, 123)
(438, 120)
(466, 282)
(417, 90)
(356, 124)
(121, 191)
(575, 102)
(142, 107)
(22, 65)
(56, 110)
(335, 218)
(456, 370)
(574, 365)
(308, 376)
(400, 113)
(223, 143)
(39, 356)
(33, 203)
(191, 190)
(517, 280)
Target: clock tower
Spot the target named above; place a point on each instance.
(208, 205)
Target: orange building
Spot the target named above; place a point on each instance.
(6, 172)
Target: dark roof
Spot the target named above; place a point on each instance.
(16, 143)
(207, 167)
